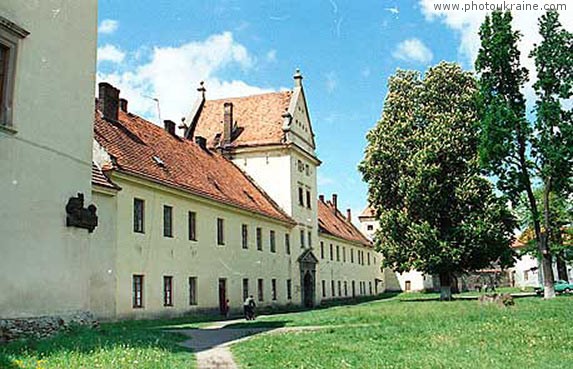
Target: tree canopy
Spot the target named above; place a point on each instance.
(514, 150)
(437, 214)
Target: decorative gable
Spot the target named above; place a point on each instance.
(307, 257)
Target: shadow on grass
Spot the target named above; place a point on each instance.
(142, 334)
(259, 324)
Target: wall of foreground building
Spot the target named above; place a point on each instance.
(45, 158)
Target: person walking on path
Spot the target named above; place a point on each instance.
(246, 308)
(252, 307)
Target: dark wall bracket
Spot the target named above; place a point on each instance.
(78, 216)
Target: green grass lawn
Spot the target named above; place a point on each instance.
(124, 345)
(396, 331)
(402, 332)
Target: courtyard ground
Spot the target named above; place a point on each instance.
(404, 331)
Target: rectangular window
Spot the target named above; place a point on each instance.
(10, 35)
(167, 221)
(289, 289)
(337, 253)
(368, 258)
(332, 290)
(259, 239)
(352, 255)
(308, 199)
(302, 239)
(343, 254)
(138, 215)
(192, 220)
(245, 236)
(345, 288)
(245, 288)
(300, 196)
(370, 287)
(331, 252)
(274, 288)
(321, 250)
(273, 241)
(192, 290)
(4, 55)
(220, 231)
(287, 243)
(260, 289)
(309, 239)
(339, 288)
(323, 288)
(167, 290)
(137, 291)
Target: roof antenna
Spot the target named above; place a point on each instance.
(158, 110)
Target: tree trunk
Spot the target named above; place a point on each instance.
(546, 259)
(562, 268)
(445, 287)
(541, 237)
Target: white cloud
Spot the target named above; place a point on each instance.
(413, 50)
(108, 26)
(467, 23)
(110, 53)
(271, 56)
(331, 82)
(172, 75)
(393, 10)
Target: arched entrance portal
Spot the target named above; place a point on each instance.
(307, 262)
(308, 290)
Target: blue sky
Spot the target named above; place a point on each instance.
(345, 50)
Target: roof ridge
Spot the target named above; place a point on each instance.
(250, 96)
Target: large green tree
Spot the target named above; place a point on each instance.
(517, 152)
(437, 214)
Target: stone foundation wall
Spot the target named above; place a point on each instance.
(42, 327)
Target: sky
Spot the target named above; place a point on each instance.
(346, 51)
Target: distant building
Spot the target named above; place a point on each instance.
(408, 281)
(47, 74)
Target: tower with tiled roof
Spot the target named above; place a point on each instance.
(270, 137)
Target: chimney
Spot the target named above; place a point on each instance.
(201, 141)
(349, 215)
(123, 105)
(321, 198)
(108, 101)
(227, 123)
(297, 78)
(169, 126)
(335, 201)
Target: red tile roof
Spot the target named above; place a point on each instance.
(100, 179)
(331, 221)
(143, 149)
(367, 213)
(258, 119)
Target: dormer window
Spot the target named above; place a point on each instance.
(158, 161)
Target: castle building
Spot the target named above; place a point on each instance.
(225, 210)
